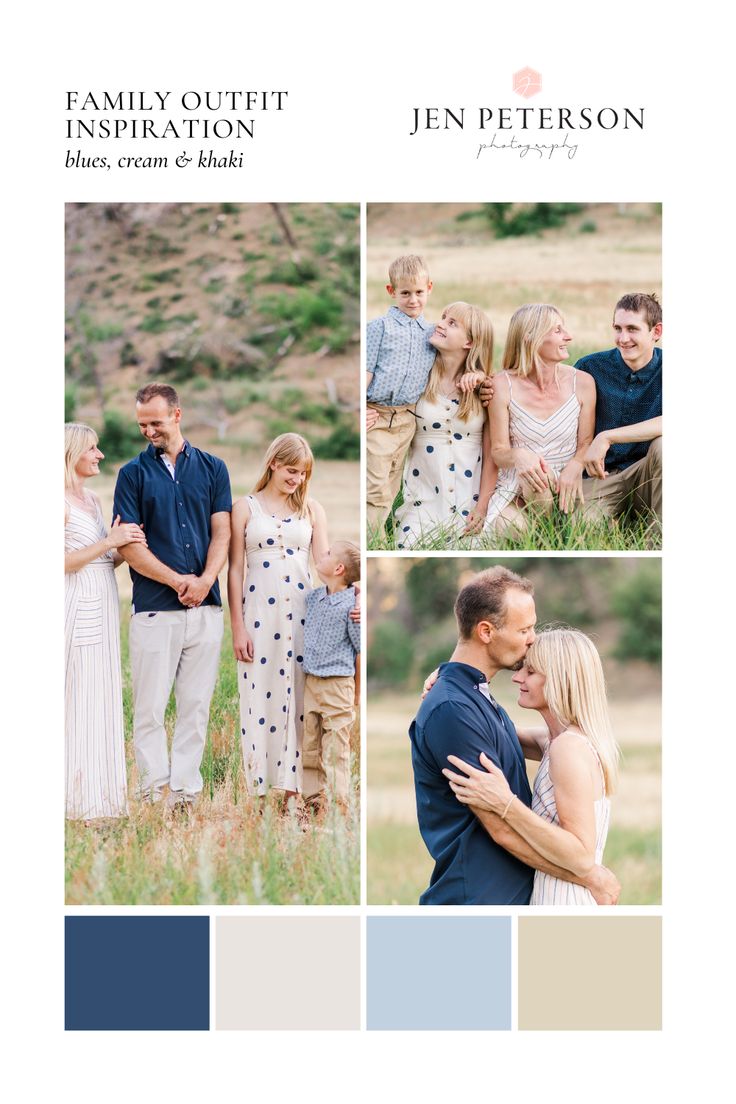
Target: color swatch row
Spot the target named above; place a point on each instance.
(422, 973)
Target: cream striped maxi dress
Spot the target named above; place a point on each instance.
(554, 438)
(95, 751)
(547, 889)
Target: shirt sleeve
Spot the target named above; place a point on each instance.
(457, 729)
(126, 501)
(221, 497)
(374, 337)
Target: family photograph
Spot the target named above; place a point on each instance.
(211, 733)
(523, 409)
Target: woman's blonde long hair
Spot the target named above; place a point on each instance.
(77, 439)
(292, 450)
(479, 329)
(528, 327)
(575, 690)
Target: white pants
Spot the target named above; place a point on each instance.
(180, 647)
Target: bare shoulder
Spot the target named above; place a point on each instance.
(584, 383)
(501, 389)
(571, 751)
(241, 511)
(317, 510)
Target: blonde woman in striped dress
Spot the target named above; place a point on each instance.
(542, 417)
(562, 678)
(95, 754)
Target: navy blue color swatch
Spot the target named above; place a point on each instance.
(137, 973)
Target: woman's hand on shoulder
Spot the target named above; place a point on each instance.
(487, 389)
(470, 380)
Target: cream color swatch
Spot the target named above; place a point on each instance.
(285, 973)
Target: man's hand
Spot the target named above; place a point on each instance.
(371, 417)
(193, 589)
(570, 486)
(486, 390)
(596, 455)
(604, 885)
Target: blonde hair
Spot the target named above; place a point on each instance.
(528, 328)
(575, 690)
(408, 267)
(292, 450)
(77, 439)
(348, 554)
(479, 329)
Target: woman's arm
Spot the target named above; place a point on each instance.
(528, 465)
(533, 740)
(488, 477)
(129, 533)
(242, 643)
(570, 481)
(320, 543)
(571, 844)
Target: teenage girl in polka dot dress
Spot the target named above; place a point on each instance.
(273, 531)
(449, 474)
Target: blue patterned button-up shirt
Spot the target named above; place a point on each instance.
(624, 398)
(400, 357)
(331, 639)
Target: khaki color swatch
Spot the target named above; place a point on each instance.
(590, 973)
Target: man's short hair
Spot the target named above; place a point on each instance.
(408, 267)
(641, 303)
(484, 598)
(348, 554)
(158, 391)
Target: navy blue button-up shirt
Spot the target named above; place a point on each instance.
(459, 717)
(175, 515)
(624, 398)
(399, 355)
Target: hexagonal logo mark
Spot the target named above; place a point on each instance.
(527, 82)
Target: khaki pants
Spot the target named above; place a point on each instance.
(179, 647)
(639, 486)
(386, 448)
(328, 724)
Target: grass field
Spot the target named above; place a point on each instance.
(399, 866)
(230, 849)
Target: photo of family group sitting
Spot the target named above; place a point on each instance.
(212, 748)
(543, 448)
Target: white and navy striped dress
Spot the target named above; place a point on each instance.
(553, 891)
(95, 751)
(554, 438)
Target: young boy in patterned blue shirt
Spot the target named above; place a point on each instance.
(399, 358)
(331, 644)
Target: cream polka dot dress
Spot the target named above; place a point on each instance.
(272, 685)
(441, 475)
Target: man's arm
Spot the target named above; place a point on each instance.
(601, 882)
(197, 587)
(623, 435)
(126, 507)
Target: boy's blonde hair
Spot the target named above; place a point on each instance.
(528, 328)
(77, 439)
(575, 690)
(408, 267)
(348, 554)
(293, 450)
(479, 329)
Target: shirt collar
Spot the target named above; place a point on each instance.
(338, 597)
(157, 453)
(644, 374)
(466, 675)
(399, 316)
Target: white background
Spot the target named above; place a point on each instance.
(353, 76)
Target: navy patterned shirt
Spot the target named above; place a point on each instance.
(331, 639)
(624, 398)
(460, 717)
(400, 357)
(175, 514)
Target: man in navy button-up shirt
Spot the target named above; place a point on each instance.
(479, 858)
(624, 460)
(180, 496)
